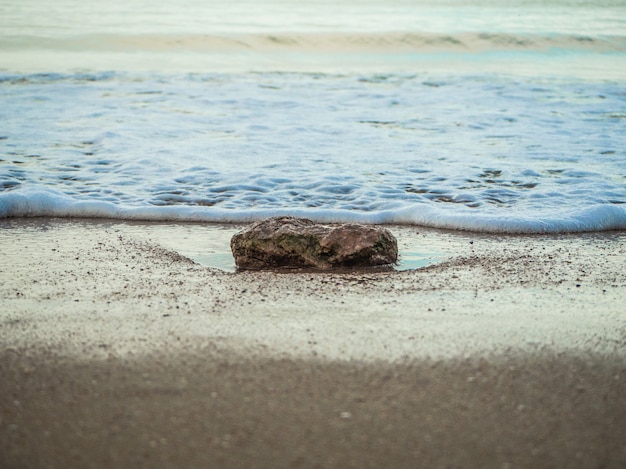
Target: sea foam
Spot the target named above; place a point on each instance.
(37, 202)
(483, 153)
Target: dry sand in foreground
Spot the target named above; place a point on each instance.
(117, 352)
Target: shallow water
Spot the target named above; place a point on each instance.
(209, 244)
(490, 116)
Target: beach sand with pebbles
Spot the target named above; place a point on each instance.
(119, 350)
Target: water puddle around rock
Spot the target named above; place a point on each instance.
(209, 244)
(220, 259)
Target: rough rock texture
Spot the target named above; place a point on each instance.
(287, 242)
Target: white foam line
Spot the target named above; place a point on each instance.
(36, 202)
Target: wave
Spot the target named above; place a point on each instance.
(49, 203)
(400, 42)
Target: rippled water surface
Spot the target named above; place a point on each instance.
(486, 116)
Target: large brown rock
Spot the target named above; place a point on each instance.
(287, 242)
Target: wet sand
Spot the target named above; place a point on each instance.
(117, 350)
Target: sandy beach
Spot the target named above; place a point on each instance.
(119, 350)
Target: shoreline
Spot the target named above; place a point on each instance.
(117, 349)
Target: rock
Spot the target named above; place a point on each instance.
(288, 242)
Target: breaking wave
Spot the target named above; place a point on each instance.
(325, 42)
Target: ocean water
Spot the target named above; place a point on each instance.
(491, 116)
